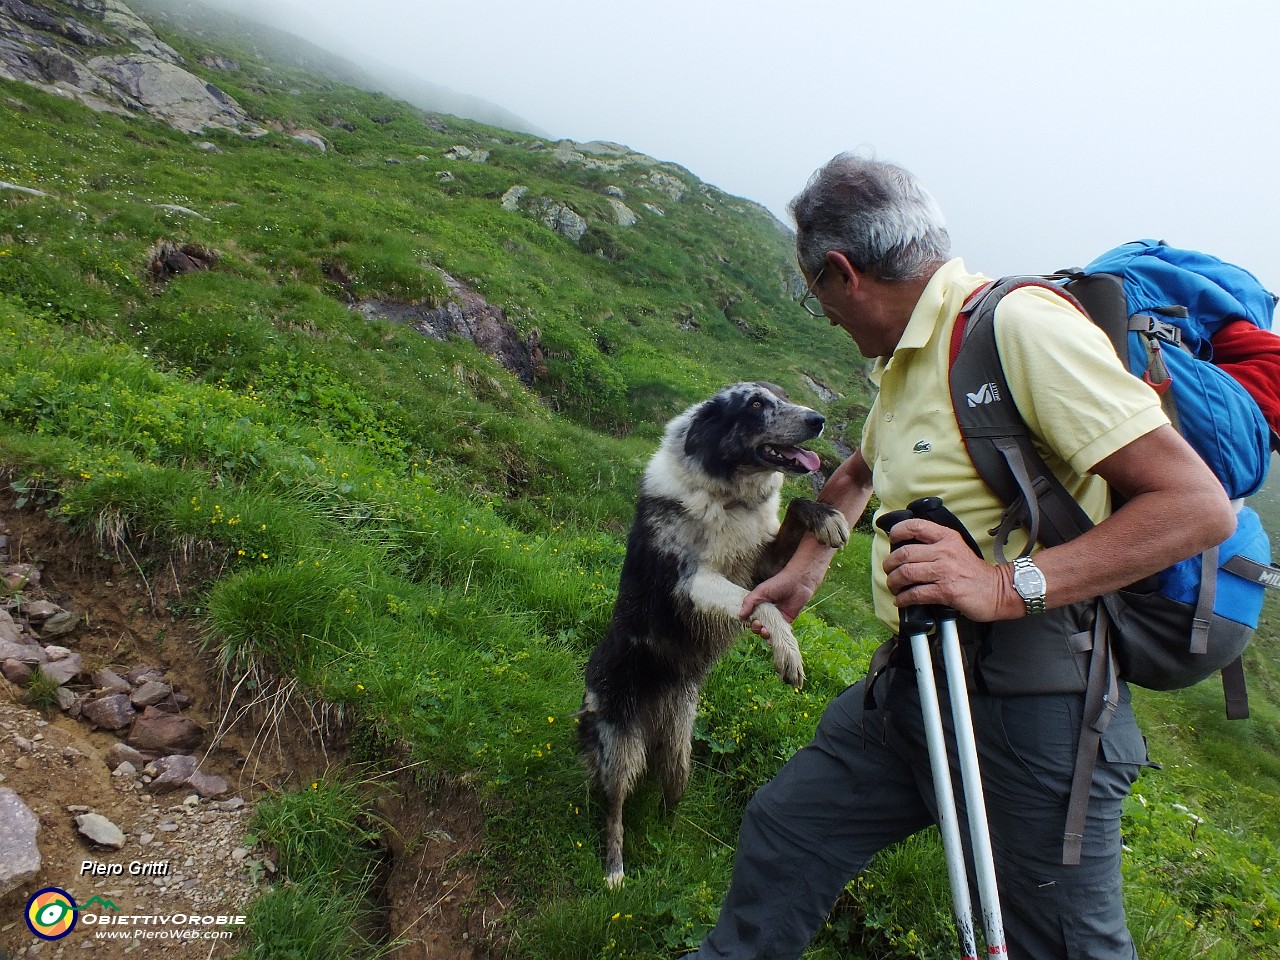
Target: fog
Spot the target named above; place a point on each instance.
(1048, 132)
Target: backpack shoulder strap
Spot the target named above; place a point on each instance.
(997, 439)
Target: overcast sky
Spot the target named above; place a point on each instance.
(1047, 131)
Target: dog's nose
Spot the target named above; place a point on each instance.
(814, 421)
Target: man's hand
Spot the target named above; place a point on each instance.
(786, 591)
(940, 569)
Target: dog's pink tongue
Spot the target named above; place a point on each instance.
(806, 458)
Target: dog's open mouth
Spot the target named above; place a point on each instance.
(791, 459)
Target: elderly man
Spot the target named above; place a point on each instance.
(872, 246)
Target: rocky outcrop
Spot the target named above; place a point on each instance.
(77, 55)
(468, 315)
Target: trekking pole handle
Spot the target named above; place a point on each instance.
(917, 618)
(933, 510)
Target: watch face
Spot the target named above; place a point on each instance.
(1028, 581)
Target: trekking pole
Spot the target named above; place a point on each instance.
(916, 622)
(932, 509)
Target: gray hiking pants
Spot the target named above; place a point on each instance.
(864, 783)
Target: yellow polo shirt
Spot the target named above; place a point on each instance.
(1067, 383)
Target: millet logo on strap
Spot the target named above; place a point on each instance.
(987, 393)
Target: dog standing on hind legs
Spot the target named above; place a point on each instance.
(706, 531)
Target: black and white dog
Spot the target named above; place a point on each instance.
(705, 532)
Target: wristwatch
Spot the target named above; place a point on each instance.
(1028, 580)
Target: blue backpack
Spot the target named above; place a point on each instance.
(1160, 306)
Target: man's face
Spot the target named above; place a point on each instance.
(832, 296)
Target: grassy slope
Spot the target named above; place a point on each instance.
(432, 547)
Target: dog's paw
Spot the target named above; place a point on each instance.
(789, 667)
(614, 880)
(786, 652)
(831, 528)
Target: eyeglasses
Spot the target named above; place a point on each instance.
(810, 301)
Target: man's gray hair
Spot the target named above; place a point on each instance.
(875, 213)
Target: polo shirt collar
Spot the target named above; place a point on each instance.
(924, 317)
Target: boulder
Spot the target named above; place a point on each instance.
(150, 693)
(28, 653)
(59, 625)
(170, 773)
(511, 199)
(623, 215)
(562, 219)
(208, 785)
(37, 611)
(108, 681)
(10, 632)
(15, 671)
(64, 669)
(119, 753)
(164, 733)
(19, 851)
(167, 91)
(112, 712)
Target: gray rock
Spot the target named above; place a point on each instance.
(170, 93)
(38, 610)
(311, 139)
(511, 199)
(150, 693)
(100, 830)
(170, 773)
(141, 674)
(119, 753)
(60, 624)
(19, 851)
(109, 681)
(5, 185)
(10, 632)
(561, 218)
(180, 210)
(113, 712)
(63, 670)
(208, 785)
(28, 653)
(623, 215)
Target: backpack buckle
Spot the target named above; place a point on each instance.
(1145, 323)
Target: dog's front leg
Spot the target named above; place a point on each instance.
(803, 516)
(715, 595)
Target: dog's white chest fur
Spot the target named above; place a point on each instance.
(725, 529)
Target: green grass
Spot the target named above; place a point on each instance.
(431, 547)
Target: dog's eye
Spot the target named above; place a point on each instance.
(757, 404)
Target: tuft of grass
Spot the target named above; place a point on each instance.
(326, 847)
(42, 692)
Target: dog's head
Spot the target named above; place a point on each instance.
(751, 427)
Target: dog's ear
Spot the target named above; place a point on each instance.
(773, 388)
(705, 427)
